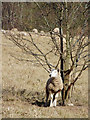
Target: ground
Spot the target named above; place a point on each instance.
(23, 87)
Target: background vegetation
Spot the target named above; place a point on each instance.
(26, 16)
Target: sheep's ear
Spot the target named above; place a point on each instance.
(58, 70)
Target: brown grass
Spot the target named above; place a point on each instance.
(24, 87)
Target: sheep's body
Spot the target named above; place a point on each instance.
(56, 31)
(14, 30)
(42, 33)
(35, 31)
(3, 31)
(53, 86)
(23, 33)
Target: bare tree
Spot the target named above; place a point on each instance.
(71, 55)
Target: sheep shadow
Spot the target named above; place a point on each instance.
(39, 103)
(32, 97)
(43, 104)
(37, 99)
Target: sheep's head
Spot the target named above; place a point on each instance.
(54, 73)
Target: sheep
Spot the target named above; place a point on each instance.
(35, 30)
(56, 31)
(7, 32)
(23, 33)
(42, 33)
(14, 30)
(53, 86)
(3, 31)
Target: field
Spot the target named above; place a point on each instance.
(23, 87)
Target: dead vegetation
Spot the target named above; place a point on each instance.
(24, 86)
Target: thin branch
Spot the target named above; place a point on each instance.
(22, 59)
(58, 62)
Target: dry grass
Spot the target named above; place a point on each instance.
(24, 87)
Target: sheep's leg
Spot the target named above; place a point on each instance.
(51, 102)
(55, 100)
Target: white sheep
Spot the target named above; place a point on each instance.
(42, 33)
(53, 86)
(14, 30)
(35, 30)
(23, 33)
(56, 31)
(3, 31)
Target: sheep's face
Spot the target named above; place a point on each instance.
(54, 73)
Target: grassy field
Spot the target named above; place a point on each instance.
(24, 83)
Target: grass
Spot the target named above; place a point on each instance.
(24, 86)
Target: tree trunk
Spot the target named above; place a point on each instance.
(65, 66)
(61, 56)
